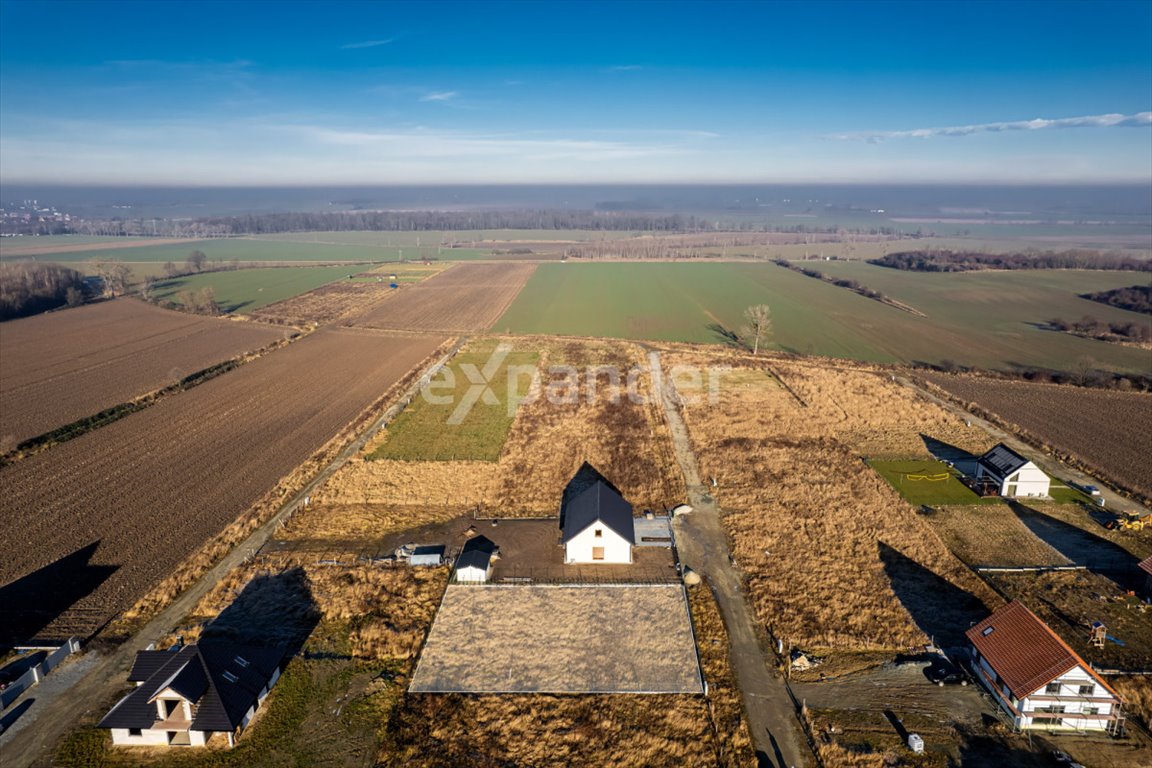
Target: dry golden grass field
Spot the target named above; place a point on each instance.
(834, 559)
(992, 535)
(560, 639)
(548, 441)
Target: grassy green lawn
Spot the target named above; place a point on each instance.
(425, 430)
(432, 238)
(245, 290)
(987, 320)
(924, 481)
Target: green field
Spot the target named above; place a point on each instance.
(424, 430)
(434, 238)
(990, 320)
(225, 250)
(245, 290)
(924, 481)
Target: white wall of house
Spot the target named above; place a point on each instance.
(1086, 705)
(153, 738)
(598, 544)
(473, 574)
(1027, 482)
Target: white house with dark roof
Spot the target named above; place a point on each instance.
(1037, 678)
(184, 695)
(1013, 475)
(596, 522)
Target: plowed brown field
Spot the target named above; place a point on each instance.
(1106, 431)
(467, 297)
(60, 367)
(153, 487)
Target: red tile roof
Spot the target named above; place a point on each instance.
(1024, 651)
(1146, 565)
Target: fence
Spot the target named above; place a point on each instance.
(37, 672)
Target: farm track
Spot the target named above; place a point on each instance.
(465, 298)
(60, 367)
(1107, 431)
(703, 546)
(151, 488)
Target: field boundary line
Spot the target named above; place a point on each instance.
(92, 422)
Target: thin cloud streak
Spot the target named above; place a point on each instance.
(1111, 120)
(439, 96)
(367, 44)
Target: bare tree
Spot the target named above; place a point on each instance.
(759, 325)
(195, 261)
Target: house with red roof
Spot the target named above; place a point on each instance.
(1037, 678)
(1145, 566)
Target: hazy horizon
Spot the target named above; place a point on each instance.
(404, 94)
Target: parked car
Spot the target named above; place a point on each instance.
(1091, 490)
(944, 672)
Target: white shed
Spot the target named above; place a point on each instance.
(1014, 475)
(431, 554)
(598, 527)
(475, 561)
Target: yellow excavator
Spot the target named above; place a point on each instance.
(1130, 522)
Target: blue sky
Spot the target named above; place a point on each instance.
(214, 93)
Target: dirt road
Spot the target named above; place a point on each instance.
(95, 677)
(703, 547)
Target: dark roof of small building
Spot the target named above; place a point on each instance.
(599, 502)
(477, 552)
(429, 549)
(1002, 460)
(221, 679)
(1024, 651)
(1146, 565)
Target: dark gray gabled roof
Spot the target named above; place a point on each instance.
(1002, 460)
(148, 663)
(221, 679)
(429, 549)
(599, 502)
(477, 552)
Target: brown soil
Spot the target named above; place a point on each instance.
(150, 489)
(58, 367)
(466, 297)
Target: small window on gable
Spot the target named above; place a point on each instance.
(987, 631)
(1052, 688)
(135, 732)
(599, 533)
(1087, 690)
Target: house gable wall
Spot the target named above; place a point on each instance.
(579, 548)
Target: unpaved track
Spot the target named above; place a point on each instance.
(703, 547)
(98, 674)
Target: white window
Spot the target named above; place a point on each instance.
(1087, 690)
(1052, 688)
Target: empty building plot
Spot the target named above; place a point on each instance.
(568, 638)
(467, 297)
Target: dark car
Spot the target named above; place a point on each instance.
(944, 672)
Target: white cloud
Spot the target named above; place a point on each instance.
(367, 44)
(439, 96)
(1089, 121)
(624, 68)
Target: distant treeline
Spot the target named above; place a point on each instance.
(1137, 298)
(964, 261)
(28, 287)
(416, 221)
